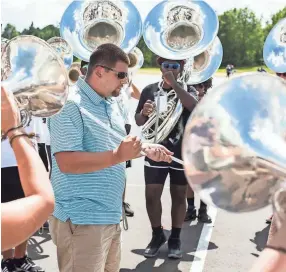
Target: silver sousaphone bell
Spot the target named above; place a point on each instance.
(87, 24)
(179, 29)
(234, 145)
(136, 60)
(63, 49)
(36, 76)
(274, 51)
(206, 64)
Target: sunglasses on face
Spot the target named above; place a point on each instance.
(120, 75)
(173, 66)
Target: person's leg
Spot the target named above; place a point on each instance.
(126, 206)
(43, 154)
(83, 247)
(178, 190)
(20, 250)
(191, 213)
(203, 213)
(7, 263)
(114, 255)
(155, 179)
(22, 262)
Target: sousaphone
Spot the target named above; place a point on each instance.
(274, 51)
(177, 30)
(136, 60)
(234, 145)
(206, 64)
(87, 24)
(36, 76)
(63, 49)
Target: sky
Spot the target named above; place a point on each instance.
(21, 13)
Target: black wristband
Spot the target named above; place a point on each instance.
(31, 135)
(4, 137)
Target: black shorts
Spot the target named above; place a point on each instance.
(45, 154)
(11, 188)
(156, 175)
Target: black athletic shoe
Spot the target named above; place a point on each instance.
(191, 214)
(153, 248)
(174, 245)
(204, 217)
(26, 264)
(8, 265)
(128, 210)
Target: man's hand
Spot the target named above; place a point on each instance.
(148, 108)
(169, 78)
(157, 153)
(129, 149)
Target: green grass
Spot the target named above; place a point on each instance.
(220, 71)
(240, 70)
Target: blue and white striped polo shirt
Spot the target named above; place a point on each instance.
(91, 198)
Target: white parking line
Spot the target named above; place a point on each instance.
(202, 249)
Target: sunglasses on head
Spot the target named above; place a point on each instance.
(120, 75)
(173, 66)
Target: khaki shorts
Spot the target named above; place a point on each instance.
(88, 248)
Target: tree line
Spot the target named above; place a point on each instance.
(241, 32)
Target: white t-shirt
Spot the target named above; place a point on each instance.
(42, 130)
(8, 158)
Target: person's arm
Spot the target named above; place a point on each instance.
(21, 218)
(188, 101)
(273, 257)
(135, 93)
(86, 162)
(140, 116)
(130, 148)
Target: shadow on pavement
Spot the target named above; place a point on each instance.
(190, 237)
(35, 249)
(260, 239)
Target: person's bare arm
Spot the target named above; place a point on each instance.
(21, 218)
(87, 162)
(130, 148)
(270, 260)
(135, 93)
(273, 257)
(188, 101)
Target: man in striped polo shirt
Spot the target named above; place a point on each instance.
(88, 163)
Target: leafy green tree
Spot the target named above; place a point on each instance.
(274, 20)
(241, 34)
(10, 32)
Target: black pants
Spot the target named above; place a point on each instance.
(45, 154)
(11, 188)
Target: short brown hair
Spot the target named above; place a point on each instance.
(107, 54)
